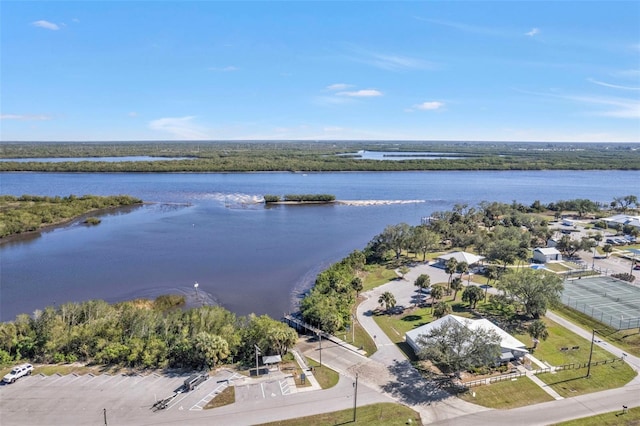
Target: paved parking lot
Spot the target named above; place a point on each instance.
(70, 398)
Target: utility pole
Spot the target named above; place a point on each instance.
(320, 342)
(593, 335)
(257, 353)
(104, 412)
(355, 398)
(353, 329)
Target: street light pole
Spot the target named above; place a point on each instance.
(257, 352)
(355, 398)
(320, 342)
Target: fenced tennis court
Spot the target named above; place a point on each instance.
(608, 300)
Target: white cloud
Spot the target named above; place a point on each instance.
(365, 93)
(229, 68)
(339, 86)
(45, 24)
(613, 86)
(533, 32)
(179, 127)
(429, 106)
(390, 62)
(25, 117)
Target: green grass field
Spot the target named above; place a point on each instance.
(326, 377)
(614, 418)
(570, 383)
(385, 414)
(507, 394)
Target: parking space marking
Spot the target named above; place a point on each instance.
(55, 380)
(204, 401)
(284, 387)
(262, 388)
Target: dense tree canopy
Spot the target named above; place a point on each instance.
(454, 347)
(532, 290)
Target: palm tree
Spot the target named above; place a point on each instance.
(436, 293)
(441, 309)
(456, 286)
(422, 282)
(387, 299)
(537, 330)
(450, 268)
(356, 284)
(462, 268)
(493, 273)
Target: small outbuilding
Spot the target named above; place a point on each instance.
(272, 360)
(546, 254)
(460, 256)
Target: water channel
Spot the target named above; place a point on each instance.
(212, 229)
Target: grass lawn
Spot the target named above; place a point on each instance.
(559, 337)
(226, 397)
(326, 377)
(507, 394)
(376, 276)
(570, 383)
(385, 414)
(557, 267)
(629, 340)
(615, 418)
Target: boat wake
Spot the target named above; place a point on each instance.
(237, 200)
(377, 202)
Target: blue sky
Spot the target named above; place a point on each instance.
(169, 70)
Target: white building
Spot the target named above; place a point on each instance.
(460, 256)
(510, 347)
(544, 255)
(623, 219)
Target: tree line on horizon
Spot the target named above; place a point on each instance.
(208, 156)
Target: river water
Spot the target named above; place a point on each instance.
(212, 229)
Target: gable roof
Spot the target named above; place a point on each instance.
(507, 341)
(547, 250)
(462, 256)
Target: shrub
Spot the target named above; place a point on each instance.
(92, 221)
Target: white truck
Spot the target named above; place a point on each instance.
(17, 372)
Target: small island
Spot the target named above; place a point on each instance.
(300, 199)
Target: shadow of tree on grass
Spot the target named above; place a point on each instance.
(410, 387)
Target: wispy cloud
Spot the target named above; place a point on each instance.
(133, 114)
(388, 61)
(179, 127)
(46, 25)
(365, 93)
(533, 32)
(467, 28)
(25, 117)
(613, 86)
(429, 106)
(339, 86)
(229, 68)
(611, 106)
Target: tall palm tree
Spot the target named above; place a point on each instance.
(462, 268)
(450, 268)
(537, 330)
(387, 299)
(423, 281)
(436, 293)
(456, 286)
(441, 309)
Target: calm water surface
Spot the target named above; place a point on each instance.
(212, 229)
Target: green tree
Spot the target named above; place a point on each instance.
(538, 331)
(387, 300)
(423, 240)
(534, 290)
(356, 285)
(456, 286)
(404, 270)
(441, 309)
(455, 347)
(437, 292)
(450, 267)
(210, 349)
(607, 249)
(422, 282)
(472, 295)
(397, 238)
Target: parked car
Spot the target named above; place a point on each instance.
(17, 372)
